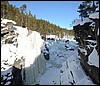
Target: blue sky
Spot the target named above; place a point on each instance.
(60, 13)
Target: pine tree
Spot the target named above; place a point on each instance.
(22, 9)
(4, 8)
(23, 18)
(86, 8)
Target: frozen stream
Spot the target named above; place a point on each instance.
(63, 67)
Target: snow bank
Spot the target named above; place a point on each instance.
(55, 37)
(51, 77)
(51, 36)
(94, 15)
(77, 74)
(4, 21)
(69, 73)
(79, 21)
(94, 58)
(7, 54)
(68, 37)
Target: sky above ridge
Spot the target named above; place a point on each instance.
(61, 13)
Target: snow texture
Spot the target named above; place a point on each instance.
(2, 25)
(51, 36)
(94, 58)
(93, 41)
(97, 9)
(98, 32)
(4, 21)
(29, 47)
(80, 22)
(64, 67)
(94, 15)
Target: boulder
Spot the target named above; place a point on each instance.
(46, 56)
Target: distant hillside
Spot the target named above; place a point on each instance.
(26, 19)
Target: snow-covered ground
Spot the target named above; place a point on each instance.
(63, 67)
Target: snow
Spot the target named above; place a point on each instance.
(9, 37)
(97, 9)
(6, 54)
(98, 32)
(89, 35)
(4, 21)
(61, 64)
(2, 25)
(92, 45)
(78, 73)
(71, 38)
(83, 50)
(63, 67)
(50, 36)
(93, 41)
(94, 58)
(29, 47)
(9, 78)
(92, 24)
(94, 15)
(8, 83)
(79, 21)
(3, 73)
(86, 81)
(4, 29)
(53, 78)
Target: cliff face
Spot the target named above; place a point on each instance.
(21, 57)
(87, 35)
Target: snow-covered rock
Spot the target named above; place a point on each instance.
(94, 58)
(2, 25)
(79, 21)
(92, 41)
(83, 50)
(51, 36)
(94, 15)
(26, 44)
(97, 9)
(4, 21)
